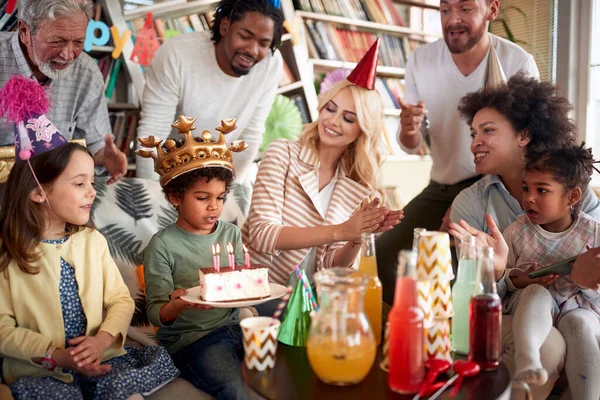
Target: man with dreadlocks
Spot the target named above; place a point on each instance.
(231, 71)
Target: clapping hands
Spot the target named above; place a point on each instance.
(369, 218)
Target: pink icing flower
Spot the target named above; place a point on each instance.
(219, 288)
(259, 281)
(238, 285)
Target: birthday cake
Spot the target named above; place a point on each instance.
(234, 284)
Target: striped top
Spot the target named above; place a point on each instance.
(285, 194)
(77, 102)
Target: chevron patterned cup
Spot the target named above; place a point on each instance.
(424, 298)
(434, 261)
(437, 340)
(260, 342)
(441, 299)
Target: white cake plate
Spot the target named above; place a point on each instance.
(193, 296)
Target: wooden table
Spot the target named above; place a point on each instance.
(292, 378)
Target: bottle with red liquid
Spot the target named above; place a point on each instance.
(405, 335)
(485, 315)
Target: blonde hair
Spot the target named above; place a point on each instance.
(362, 159)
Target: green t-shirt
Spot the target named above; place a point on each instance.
(171, 261)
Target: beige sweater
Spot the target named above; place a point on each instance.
(30, 310)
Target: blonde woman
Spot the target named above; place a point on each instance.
(311, 199)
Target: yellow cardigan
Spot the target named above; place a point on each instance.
(30, 310)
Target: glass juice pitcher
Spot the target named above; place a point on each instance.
(341, 346)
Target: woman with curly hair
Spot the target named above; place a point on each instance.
(511, 124)
(311, 197)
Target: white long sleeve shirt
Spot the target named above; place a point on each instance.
(185, 78)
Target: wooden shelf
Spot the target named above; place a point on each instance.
(359, 25)
(171, 9)
(122, 106)
(102, 49)
(382, 71)
(417, 3)
(289, 88)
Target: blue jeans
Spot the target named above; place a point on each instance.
(213, 363)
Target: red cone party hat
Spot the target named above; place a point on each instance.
(364, 73)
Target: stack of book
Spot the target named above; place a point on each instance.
(381, 11)
(124, 127)
(109, 67)
(166, 28)
(328, 42)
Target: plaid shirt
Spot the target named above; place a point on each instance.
(528, 243)
(77, 103)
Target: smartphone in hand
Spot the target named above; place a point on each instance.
(561, 268)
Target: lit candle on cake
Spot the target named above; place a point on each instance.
(230, 255)
(216, 250)
(246, 256)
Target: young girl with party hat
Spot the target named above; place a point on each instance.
(551, 230)
(64, 308)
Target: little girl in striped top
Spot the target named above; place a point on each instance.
(551, 230)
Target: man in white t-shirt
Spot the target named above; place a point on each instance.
(438, 75)
(231, 72)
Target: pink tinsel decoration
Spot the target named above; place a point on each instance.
(22, 98)
(333, 77)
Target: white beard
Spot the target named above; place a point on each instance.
(46, 68)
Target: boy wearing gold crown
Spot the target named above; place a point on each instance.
(205, 343)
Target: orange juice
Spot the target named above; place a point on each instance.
(339, 363)
(373, 295)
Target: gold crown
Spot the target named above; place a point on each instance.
(171, 161)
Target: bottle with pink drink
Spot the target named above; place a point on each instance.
(485, 315)
(405, 334)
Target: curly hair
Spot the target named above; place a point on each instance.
(570, 166)
(530, 106)
(235, 10)
(363, 157)
(177, 186)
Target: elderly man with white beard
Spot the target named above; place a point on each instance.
(48, 47)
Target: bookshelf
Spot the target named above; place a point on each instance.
(329, 65)
(401, 28)
(335, 34)
(366, 26)
(292, 85)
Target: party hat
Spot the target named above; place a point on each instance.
(296, 322)
(365, 71)
(494, 74)
(24, 101)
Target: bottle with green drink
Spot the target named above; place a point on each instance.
(462, 291)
